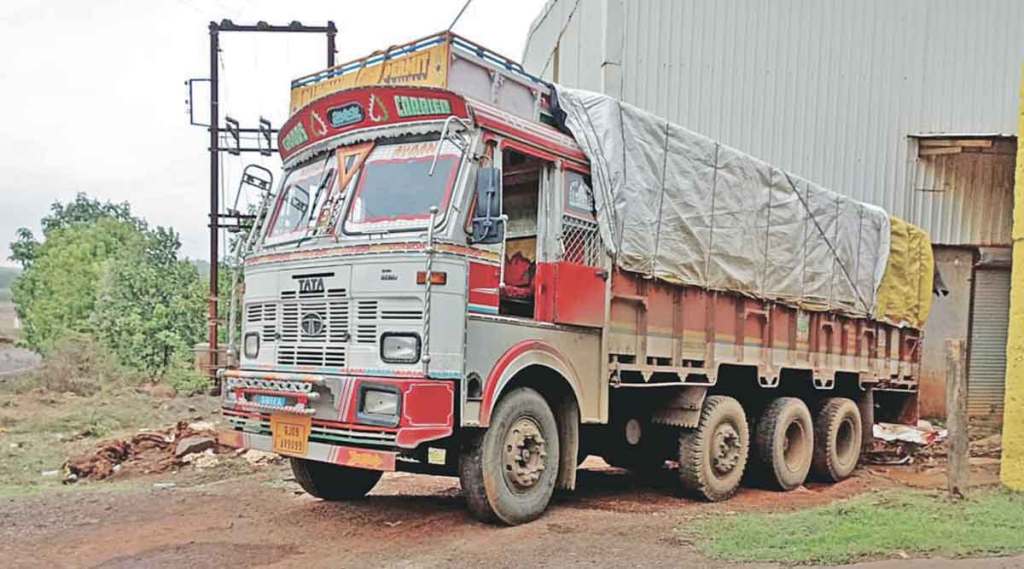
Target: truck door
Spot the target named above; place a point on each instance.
(571, 275)
(521, 192)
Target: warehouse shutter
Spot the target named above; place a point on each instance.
(986, 366)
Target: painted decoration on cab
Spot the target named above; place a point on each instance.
(365, 107)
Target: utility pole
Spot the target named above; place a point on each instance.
(216, 28)
(957, 443)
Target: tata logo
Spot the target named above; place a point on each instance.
(312, 325)
(313, 284)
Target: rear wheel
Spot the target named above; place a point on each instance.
(713, 456)
(784, 443)
(508, 471)
(333, 482)
(837, 439)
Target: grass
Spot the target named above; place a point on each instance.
(880, 525)
(39, 430)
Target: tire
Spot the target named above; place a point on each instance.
(512, 486)
(837, 440)
(645, 456)
(713, 457)
(333, 482)
(784, 443)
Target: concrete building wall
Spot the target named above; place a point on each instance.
(950, 319)
(832, 90)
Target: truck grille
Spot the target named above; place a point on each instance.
(262, 316)
(366, 328)
(314, 328)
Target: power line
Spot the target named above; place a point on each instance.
(559, 38)
(459, 15)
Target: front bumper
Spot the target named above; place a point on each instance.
(425, 412)
(370, 459)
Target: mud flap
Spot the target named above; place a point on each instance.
(866, 405)
(568, 417)
(683, 410)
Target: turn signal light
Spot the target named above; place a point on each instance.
(436, 277)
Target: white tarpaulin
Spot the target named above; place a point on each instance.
(681, 207)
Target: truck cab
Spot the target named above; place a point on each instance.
(404, 274)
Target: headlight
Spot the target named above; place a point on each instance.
(400, 348)
(378, 405)
(377, 402)
(251, 346)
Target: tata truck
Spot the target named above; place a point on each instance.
(465, 270)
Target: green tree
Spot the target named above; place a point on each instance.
(83, 210)
(57, 291)
(103, 272)
(150, 313)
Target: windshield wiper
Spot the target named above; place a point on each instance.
(327, 177)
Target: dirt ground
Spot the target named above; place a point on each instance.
(219, 518)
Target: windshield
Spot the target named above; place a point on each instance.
(395, 189)
(301, 193)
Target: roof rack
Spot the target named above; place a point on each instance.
(444, 60)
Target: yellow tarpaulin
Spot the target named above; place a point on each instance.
(905, 294)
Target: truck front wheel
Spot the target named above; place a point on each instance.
(508, 471)
(713, 456)
(333, 482)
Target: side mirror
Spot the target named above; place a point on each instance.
(256, 177)
(488, 223)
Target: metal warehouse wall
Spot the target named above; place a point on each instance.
(829, 89)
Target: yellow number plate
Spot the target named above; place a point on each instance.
(291, 433)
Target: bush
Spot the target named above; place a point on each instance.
(76, 363)
(150, 314)
(185, 379)
(101, 272)
(57, 293)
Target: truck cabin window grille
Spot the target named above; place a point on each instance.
(581, 241)
(580, 238)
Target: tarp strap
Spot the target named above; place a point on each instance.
(835, 254)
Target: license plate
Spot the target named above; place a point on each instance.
(291, 433)
(272, 400)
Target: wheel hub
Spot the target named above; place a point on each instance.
(525, 450)
(725, 449)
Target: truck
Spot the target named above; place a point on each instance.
(468, 271)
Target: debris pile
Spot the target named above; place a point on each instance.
(987, 447)
(905, 444)
(149, 452)
(922, 444)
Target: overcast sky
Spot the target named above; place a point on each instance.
(92, 95)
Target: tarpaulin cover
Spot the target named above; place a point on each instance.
(905, 295)
(684, 208)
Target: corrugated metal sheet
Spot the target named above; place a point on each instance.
(986, 366)
(829, 89)
(965, 195)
